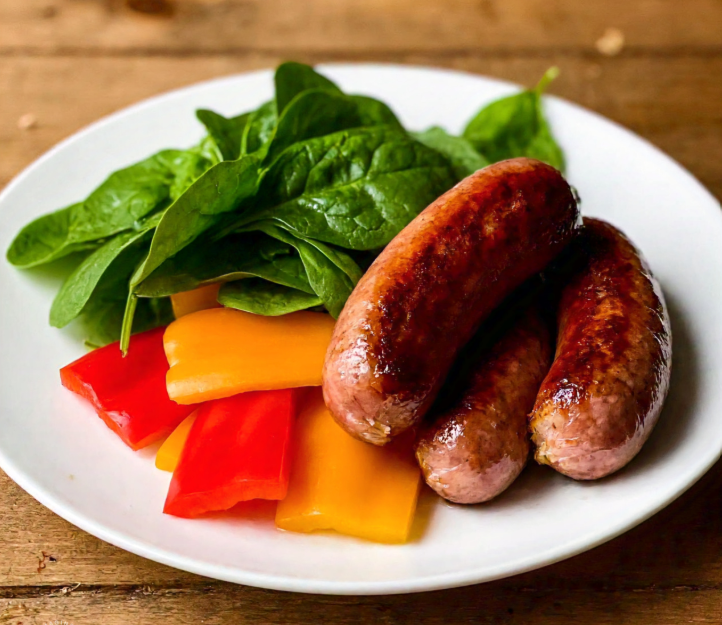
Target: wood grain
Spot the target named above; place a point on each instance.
(670, 101)
(491, 604)
(202, 26)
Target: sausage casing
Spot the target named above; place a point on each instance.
(474, 450)
(428, 291)
(605, 389)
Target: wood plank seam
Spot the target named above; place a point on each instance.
(629, 52)
(207, 588)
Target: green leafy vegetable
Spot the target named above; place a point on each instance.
(294, 78)
(281, 205)
(226, 133)
(259, 128)
(312, 114)
(221, 189)
(189, 165)
(374, 112)
(80, 285)
(102, 316)
(461, 153)
(232, 258)
(329, 281)
(265, 298)
(516, 126)
(355, 189)
(44, 240)
(125, 197)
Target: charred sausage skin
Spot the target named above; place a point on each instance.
(432, 286)
(605, 389)
(475, 450)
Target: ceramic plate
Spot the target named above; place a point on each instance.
(53, 445)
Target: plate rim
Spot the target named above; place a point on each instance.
(296, 584)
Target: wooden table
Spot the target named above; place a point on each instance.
(64, 63)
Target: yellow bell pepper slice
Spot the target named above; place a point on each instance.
(339, 483)
(221, 352)
(201, 298)
(170, 451)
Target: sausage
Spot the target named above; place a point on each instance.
(473, 451)
(431, 287)
(605, 389)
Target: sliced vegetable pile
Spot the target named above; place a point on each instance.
(285, 205)
(276, 212)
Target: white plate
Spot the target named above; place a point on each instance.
(53, 445)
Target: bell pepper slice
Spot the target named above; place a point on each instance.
(339, 483)
(238, 449)
(222, 352)
(188, 302)
(170, 451)
(129, 393)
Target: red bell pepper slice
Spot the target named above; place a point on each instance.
(238, 450)
(129, 393)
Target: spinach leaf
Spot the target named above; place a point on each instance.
(327, 280)
(342, 260)
(355, 189)
(80, 285)
(461, 153)
(259, 127)
(516, 126)
(265, 298)
(221, 189)
(226, 133)
(311, 114)
(102, 316)
(235, 257)
(116, 205)
(374, 112)
(44, 240)
(125, 197)
(293, 78)
(189, 165)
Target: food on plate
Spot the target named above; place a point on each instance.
(605, 390)
(339, 483)
(220, 352)
(319, 205)
(129, 393)
(284, 205)
(238, 449)
(476, 448)
(432, 286)
(187, 302)
(170, 451)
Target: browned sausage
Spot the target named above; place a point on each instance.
(604, 392)
(473, 451)
(428, 291)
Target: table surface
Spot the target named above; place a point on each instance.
(68, 62)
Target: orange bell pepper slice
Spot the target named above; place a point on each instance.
(201, 298)
(170, 451)
(221, 352)
(342, 484)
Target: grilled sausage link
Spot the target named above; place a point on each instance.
(429, 290)
(605, 390)
(474, 450)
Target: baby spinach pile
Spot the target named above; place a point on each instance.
(284, 205)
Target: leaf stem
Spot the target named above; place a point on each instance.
(550, 75)
(127, 328)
